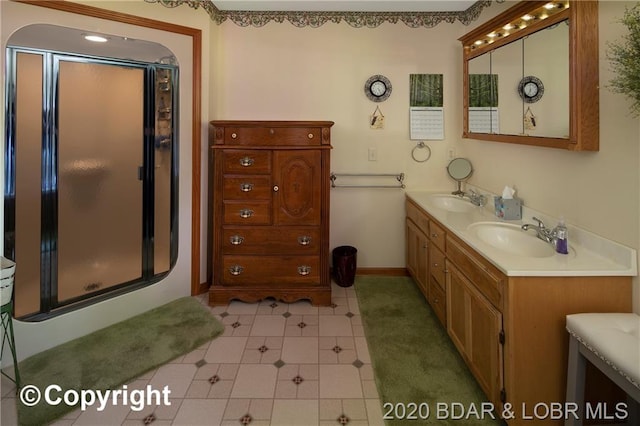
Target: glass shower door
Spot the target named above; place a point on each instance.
(100, 154)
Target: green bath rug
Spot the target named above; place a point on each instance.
(413, 358)
(113, 356)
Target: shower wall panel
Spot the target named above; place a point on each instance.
(28, 181)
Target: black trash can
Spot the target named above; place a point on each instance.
(344, 265)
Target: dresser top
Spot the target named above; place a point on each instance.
(276, 123)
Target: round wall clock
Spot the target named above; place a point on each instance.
(377, 88)
(530, 89)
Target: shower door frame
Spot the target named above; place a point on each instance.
(49, 305)
(195, 35)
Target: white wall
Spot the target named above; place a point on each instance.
(286, 73)
(282, 72)
(35, 337)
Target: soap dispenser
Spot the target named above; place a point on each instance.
(562, 238)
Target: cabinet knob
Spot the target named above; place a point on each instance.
(436, 300)
(304, 240)
(435, 265)
(236, 240)
(246, 213)
(234, 135)
(236, 270)
(272, 131)
(246, 187)
(310, 135)
(304, 270)
(246, 161)
(276, 188)
(434, 235)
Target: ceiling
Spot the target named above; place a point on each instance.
(346, 5)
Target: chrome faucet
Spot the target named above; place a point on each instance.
(542, 232)
(476, 198)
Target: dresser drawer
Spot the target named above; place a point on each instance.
(276, 271)
(272, 136)
(417, 217)
(236, 161)
(249, 187)
(478, 271)
(437, 265)
(270, 240)
(438, 301)
(437, 235)
(247, 212)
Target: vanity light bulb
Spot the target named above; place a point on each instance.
(549, 6)
(508, 27)
(478, 42)
(527, 17)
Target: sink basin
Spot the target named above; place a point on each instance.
(511, 239)
(451, 203)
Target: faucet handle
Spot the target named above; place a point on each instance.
(540, 223)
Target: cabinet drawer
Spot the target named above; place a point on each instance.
(417, 217)
(437, 266)
(270, 241)
(247, 212)
(276, 271)
(249, 187)
(438, 301)
(272, 136)
(246, 161)
(437, 235)
(477, 271)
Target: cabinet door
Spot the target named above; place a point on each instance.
(474, 326)
(417, 260)
(297, 187)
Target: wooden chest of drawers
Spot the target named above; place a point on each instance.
(269, 211)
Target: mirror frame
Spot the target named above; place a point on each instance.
(584, 105)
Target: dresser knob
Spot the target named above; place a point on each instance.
(276, 188)
(304, 270)
(246, 213)
(233, 135)
(310, 135)
(236, 270)
(304, 240)
(246, 161)
(236, 240)
(246, 187)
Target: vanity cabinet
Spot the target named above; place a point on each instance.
(426, 259)
(474, 320)
(510, 330)
(418, 256)
(269, 203)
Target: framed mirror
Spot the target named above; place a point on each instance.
(530, 76)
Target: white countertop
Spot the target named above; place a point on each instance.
(589, 254)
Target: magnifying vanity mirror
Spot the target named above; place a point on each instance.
(531, 76)
(460, 170)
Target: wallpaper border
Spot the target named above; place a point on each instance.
(317, 19)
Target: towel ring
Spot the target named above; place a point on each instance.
(421, 145)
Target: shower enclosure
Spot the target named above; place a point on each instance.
(90, 177)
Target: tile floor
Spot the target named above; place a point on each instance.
(275, 364)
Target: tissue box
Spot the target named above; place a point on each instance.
(508, 209)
